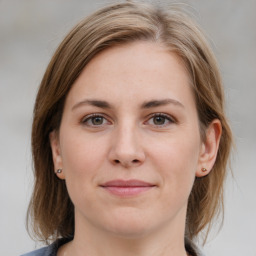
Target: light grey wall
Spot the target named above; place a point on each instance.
(30, 31)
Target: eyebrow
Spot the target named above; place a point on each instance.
(146, 105)
(96, 103)
(158, 103)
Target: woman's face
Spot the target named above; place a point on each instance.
(129, 142)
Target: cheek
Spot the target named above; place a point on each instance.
(178, 161)
(178, 152)
(81, 155)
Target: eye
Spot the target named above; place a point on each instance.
(160, 120)
(95, 120)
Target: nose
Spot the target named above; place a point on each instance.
(126, 148)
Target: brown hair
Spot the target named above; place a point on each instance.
(51, 209)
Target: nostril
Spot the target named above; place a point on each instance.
(116, 161)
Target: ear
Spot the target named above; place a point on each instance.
(209, 148)
(56, 154)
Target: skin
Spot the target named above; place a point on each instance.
(125, 86)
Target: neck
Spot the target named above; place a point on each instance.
(165, 241)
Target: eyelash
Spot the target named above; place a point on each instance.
(167, 117)
(88, 118)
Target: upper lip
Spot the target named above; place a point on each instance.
(127, 183)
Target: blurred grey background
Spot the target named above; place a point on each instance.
(30, 31)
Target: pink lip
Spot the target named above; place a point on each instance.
(125, 188)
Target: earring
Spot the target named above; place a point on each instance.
(204, 170)
(59, 171)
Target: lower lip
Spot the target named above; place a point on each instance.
(127, 191)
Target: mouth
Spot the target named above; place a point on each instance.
(127, 188)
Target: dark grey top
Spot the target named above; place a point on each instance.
(50, 250)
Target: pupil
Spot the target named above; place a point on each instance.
(159, 120)
(97, 120)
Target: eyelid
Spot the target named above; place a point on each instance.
(170, 118)
(90, 116)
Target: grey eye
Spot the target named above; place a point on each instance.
(98, 120)
(159, 120)
(94, 120)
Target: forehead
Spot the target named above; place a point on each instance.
(144, 69)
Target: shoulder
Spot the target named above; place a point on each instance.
(45, 251)
(50, 250)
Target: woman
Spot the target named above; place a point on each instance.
(130, 141)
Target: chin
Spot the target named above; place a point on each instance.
(130, 225)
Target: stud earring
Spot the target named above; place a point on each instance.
(204, 170)
(59, 171)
